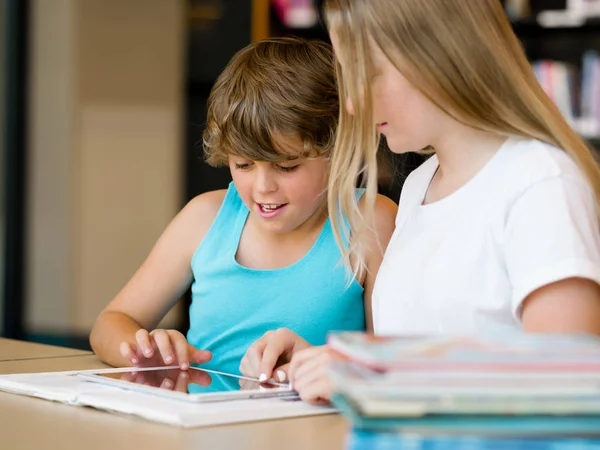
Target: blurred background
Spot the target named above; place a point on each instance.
(102, 106)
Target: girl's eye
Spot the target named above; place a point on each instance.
(242, 166)
(288, 168)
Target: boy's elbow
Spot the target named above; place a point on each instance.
(99, 332)
(94, 338)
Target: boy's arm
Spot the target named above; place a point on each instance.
(162, 279)
(376, 238)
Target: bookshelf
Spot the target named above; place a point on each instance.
(562, 40)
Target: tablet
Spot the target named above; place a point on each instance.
(194, 384)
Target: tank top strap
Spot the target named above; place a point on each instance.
(224, 235)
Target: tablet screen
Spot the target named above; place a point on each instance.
(192, 381)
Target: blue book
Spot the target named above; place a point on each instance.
(369, 440)
(486, 425)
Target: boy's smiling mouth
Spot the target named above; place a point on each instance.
(269, 210)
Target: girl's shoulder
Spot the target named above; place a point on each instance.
(526, 163)
(536, 159)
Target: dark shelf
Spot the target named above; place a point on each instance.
(532, 26)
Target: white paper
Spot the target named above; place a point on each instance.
(66, 387)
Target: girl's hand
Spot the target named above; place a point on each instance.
(162, 347)
(308, 374)
(272, 353)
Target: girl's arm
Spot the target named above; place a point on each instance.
(551, 243)
(567, 306)
(119, 336)
(308, 369)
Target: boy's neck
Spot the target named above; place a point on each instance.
(313, 225)
(264, 250)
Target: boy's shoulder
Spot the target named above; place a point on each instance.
(384, 213)
(385, 208)
(203, 208)
(210, 199)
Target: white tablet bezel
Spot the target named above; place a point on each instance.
(96, 377)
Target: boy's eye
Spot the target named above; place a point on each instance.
(288, 168)
(242, 166)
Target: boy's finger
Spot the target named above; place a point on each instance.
(163, 342)
(198, 356)
(142, 338)
(128, 353)
(245, 368)
(253, 357)
(181, 350)
(281, 373)
(270, 356)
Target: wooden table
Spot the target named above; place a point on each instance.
(28, 423)
(11, 350)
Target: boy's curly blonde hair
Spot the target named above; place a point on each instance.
(282, 86)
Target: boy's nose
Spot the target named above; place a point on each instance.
(265, 182)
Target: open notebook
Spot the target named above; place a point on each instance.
(66, 387)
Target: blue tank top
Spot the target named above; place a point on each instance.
(232, 305)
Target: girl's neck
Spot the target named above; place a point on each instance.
(461, 153)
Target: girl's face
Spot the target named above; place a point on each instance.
(282, 196)
(408, 120)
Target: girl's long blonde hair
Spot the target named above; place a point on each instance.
(465, 58)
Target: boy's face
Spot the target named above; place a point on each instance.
(284, 196)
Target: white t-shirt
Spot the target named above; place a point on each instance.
(465, 263)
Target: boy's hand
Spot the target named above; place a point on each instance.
(272, 353)
(162, 347)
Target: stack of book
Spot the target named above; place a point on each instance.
(514, 385)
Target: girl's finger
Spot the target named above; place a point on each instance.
(304, 357)
(317, 393)
(317, 372)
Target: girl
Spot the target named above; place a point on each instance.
(498, 230)
(261, 254)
